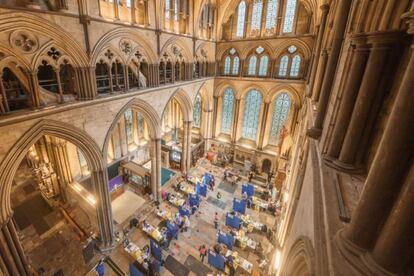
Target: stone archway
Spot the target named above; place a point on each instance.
(13, 256)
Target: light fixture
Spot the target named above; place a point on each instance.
(277, 259)
(91, 199)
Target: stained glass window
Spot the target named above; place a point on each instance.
(259, 50)
(251, 114)
(271, 14)
(227, 111)
(232, 51)
(257, 15)
(241, 16)
(197, 111)
(284, 61)
(280, 115)
(264, 60)
(294, 69)
(227, 66)
(289, 16)
(128, 3)
(252, 66)
(128, 126)
(176, 10)
(167, 8)
(236, 65)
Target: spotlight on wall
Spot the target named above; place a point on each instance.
(277, 259)
(91, 199)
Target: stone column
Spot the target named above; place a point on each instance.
(393, 249)
(348, 96)
(341, 19)
(34, 88)
(317, 82)
(59, 85)
(103, 209)
(318, 46)
(215, 112)
(371, 88)
(62, 167)
(184, 149)
(13, 259)
(133, 12)
(235, 120)
(189, 127)
(388, 169)
(156, 167)
(263, 125)
(4, 102)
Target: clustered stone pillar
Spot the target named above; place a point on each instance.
(235, 120)
(215, 110)
(156, 167)
(13, 261)
(61, 164)
(188, 126)
(103, 209)
(382, 223)
(341, 18)
(349, 94)
(263, 125)
(317, 54)
(372, 88)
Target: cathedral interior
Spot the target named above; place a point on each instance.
(207, 137)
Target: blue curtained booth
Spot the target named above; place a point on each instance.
(201, 189)
(233, 221)
(194, 199)
(155, 250)
(248, 188)
(226, 239)
(172, 229)
(216, 260)
(239, 205)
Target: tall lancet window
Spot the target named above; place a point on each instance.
(271, 14)
(227, 111)
(241, 17)
(257, 15)
(252, 107)
(289, 16)
(280, 115)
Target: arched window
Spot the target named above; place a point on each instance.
(257, 15)
(284, 61)
(241, 17)
(264, 60)
(197, 112)
(251, 114)
(227, 65)
(271, 14)
(167, 6)
(235, 65)
(294, 69)
(252, 66)
(227, 111)
(141, 126)
(176, 10)
(289, 16)
(280, 115)
(128, 3)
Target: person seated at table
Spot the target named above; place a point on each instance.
(230, 264)
(217, 248)
(271, 208)
(249, 202)
(193, 209)
(178, 187)
(186, 224)
(259, 250)
(233, 232)
(168, 196)
(244, 195)
(145, 224)
(218, 195)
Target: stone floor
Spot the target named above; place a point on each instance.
(202, 229)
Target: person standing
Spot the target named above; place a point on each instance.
(216, 224)
(203, 252)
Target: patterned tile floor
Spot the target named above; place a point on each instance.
(202, 229)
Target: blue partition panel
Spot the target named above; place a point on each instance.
(172, 229)
(239, 205)
(133, 270)
(233, 221)
(155, 250)
(216, 260)
(194, 200)
(201, 189)
(226, 239)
